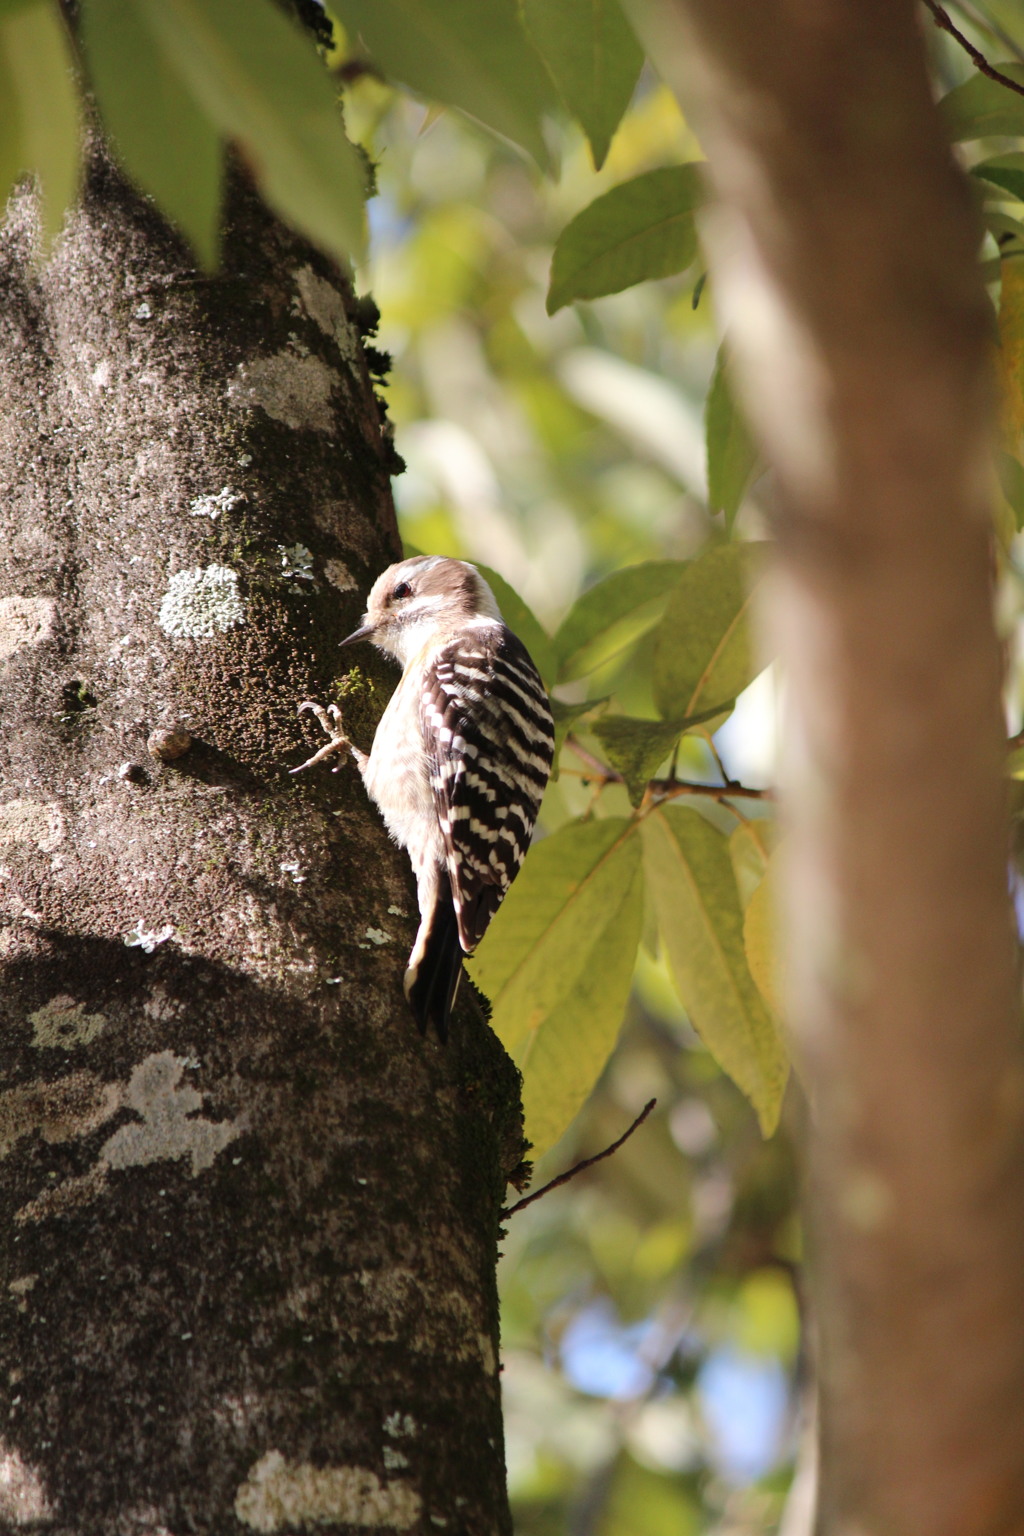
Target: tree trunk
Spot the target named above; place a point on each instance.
(844, 258)
(249, 1216)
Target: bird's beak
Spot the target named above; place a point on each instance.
(362, 633)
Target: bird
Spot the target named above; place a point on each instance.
(459, 762)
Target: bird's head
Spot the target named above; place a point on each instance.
(420, 598)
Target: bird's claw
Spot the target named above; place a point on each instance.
(330, 724)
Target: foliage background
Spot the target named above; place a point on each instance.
(653, 1365)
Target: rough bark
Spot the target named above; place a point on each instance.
(248, 1218)
(843, 255)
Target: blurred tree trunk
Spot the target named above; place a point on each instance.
(249, 1217)
(844, 258)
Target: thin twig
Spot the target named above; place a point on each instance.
(942, 20)
(668, 789)
(588, 1162)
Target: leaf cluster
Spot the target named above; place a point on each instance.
(558, 960)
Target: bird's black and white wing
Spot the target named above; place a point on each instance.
(490, 739)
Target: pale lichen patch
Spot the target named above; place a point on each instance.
(31, 821)
(487, 1356)
(22, 1497)
(326, 307)
(20, 1289)
(211, 506)
(278, 1495)
(165, 1130)
(25, 621)
(200, 603)
(339, 575)
(293, 390)
(62, 1023)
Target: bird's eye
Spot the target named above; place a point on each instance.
(402, 590)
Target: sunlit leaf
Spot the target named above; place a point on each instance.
(612, 615)
(163, 140)
(470, 54)
(998, 222)
(39, 111)
(691, 881)
(1005, 172)
(732, 454)
(982, 108)
(522, 621)
(259, 80)
(1011, 353)
(642, 229)
(594, 59)
(761, 942)
(703, 654)
(557, 962)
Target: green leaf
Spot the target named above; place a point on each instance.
(644, 228)
(691, 881)
(259, 80)
(1005, 172)
(703, 654)
(163, 140)
(732, 456)
(522, 621)
(9, 7)
(636, 748)
(999, 223)
(594, 59)
(982, 108)
(40, 113)
(557, 962)
(1011, 480)
(470, 54)
(761, 943)
(612, 615)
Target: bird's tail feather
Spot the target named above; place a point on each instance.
(435, 966)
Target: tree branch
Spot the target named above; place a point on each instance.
(667, 789)
(943, 21)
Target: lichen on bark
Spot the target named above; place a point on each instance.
(251, 1214)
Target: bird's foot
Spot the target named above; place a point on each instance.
(330, 723)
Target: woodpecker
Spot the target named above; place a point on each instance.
(459, 762)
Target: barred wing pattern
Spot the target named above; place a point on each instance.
(491, 742)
